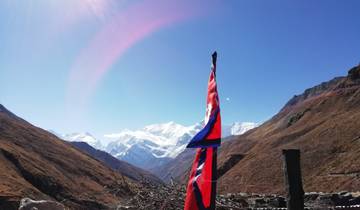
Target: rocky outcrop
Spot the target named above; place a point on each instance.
(228, 163)
(29, 204)
(156, 197)
(324, 200)
(9, 114)
(296, 117)
(172, 197)
(354, 73)
(314, 91)
(353, 78)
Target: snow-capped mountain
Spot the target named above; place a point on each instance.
(80, 137)
(84, 137)
(152, 145)
(156, 144)
(239, 128)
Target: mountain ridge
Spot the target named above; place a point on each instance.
(153, 145)
(123, 167)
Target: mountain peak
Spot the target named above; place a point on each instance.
(4, 110)
(351, 80)
(314, 91)
(88, 134)
(83, 137)
(162, 125)
(354, 73)
(239, 128)
(169, 130)
(9, 113)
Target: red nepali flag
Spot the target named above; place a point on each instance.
(210, 135)
(201, 188)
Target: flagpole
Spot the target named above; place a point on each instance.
(214, 178)
(214, 165)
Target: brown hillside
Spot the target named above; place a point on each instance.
(38, 165)
(323, 122)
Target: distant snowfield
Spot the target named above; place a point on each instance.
(152, 145)
(162, 140)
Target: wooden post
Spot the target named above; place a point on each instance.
(293, 183)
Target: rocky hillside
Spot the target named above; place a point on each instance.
(38, 165)
(323, 122)
(172, 197)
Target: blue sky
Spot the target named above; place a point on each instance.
(267, 52)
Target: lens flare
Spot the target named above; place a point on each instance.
(124, 30)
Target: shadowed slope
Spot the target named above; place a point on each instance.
(123, 167)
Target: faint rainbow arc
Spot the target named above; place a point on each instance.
(115, 38)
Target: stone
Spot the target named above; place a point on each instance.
(29, 204)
